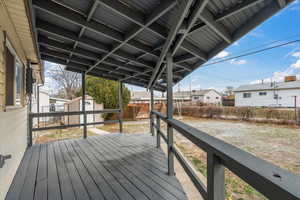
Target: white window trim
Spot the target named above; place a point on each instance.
(12, 51)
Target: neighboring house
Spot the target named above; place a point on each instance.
(209, 96)
(57, 104)
(281, 94)
(76, 105)
(142, 97)
(18, 53)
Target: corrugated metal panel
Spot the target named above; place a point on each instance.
(204, 40)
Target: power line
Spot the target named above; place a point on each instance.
(251, 53)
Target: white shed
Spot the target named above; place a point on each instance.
(209, 96)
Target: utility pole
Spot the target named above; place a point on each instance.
(295, 104)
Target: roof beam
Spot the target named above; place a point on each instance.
(265, 13)
(77, 19)
(86, 54)
(136, 30)
(70, 36)
(199, 7)
(183, 8)
(281, 3)
(228, 13)
(138, 18)
(208, 19)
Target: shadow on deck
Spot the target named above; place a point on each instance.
(108, 167)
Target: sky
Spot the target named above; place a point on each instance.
(270, 65)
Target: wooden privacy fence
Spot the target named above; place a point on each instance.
(273, 182)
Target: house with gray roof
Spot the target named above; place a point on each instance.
(274, 94)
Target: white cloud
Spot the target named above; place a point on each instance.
(238, 62)
(296, 54)
(222, 54)
(296, 65)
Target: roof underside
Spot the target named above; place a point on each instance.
(127, 40)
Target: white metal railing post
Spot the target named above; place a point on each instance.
(170, 112)
(215, 178)
(151, 109)
(121, 106)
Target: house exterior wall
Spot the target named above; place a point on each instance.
(13, 120)
(285, 98)
(212, 97)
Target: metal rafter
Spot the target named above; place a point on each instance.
(48, 28)
(208, 19)
(199, 7)
(161, 10)
(89, 16)
(183, 9)
(136, 17)
(43, 41)
(77, 19)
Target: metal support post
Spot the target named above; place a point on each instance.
(83, 105)
(151, 109)
(215, 178)
(158, 132)
(170, 112)
(121, 106)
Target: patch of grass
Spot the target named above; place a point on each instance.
(199, 165)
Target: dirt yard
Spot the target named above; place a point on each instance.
(277, 144)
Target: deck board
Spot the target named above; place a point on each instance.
(109, 167)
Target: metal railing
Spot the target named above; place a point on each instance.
(72, 113)
(270, 180)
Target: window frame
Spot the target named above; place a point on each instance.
(247, 95)
(11, 49)
(262, 93)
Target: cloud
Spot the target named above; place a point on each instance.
(222, 54)
(296, 54)
(296, 65)
(238, 62)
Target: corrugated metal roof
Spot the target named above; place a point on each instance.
(122, 33)
(269, 86)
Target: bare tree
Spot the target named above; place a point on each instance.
(67, 82)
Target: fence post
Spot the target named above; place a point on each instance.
(215, 178)
(151, 109)
(170, 113)
(158, 132)
(121, 106)
(83, 106)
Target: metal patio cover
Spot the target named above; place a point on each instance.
(127, 40)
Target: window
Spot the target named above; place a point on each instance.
(262, 93)
(207, 97)
(217, 97)
(14, 77)
(196, 98)
(247, 95)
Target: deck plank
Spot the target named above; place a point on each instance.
(88, 182)
(144, 171)
(118, 188)
(53, 184)
(19, 179)
(144, 183)
(31, 175)
(67, 191)
(95, 174)
(41, 180)
(110, 167)
(78, 186)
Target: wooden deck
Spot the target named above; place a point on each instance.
(110, 167)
